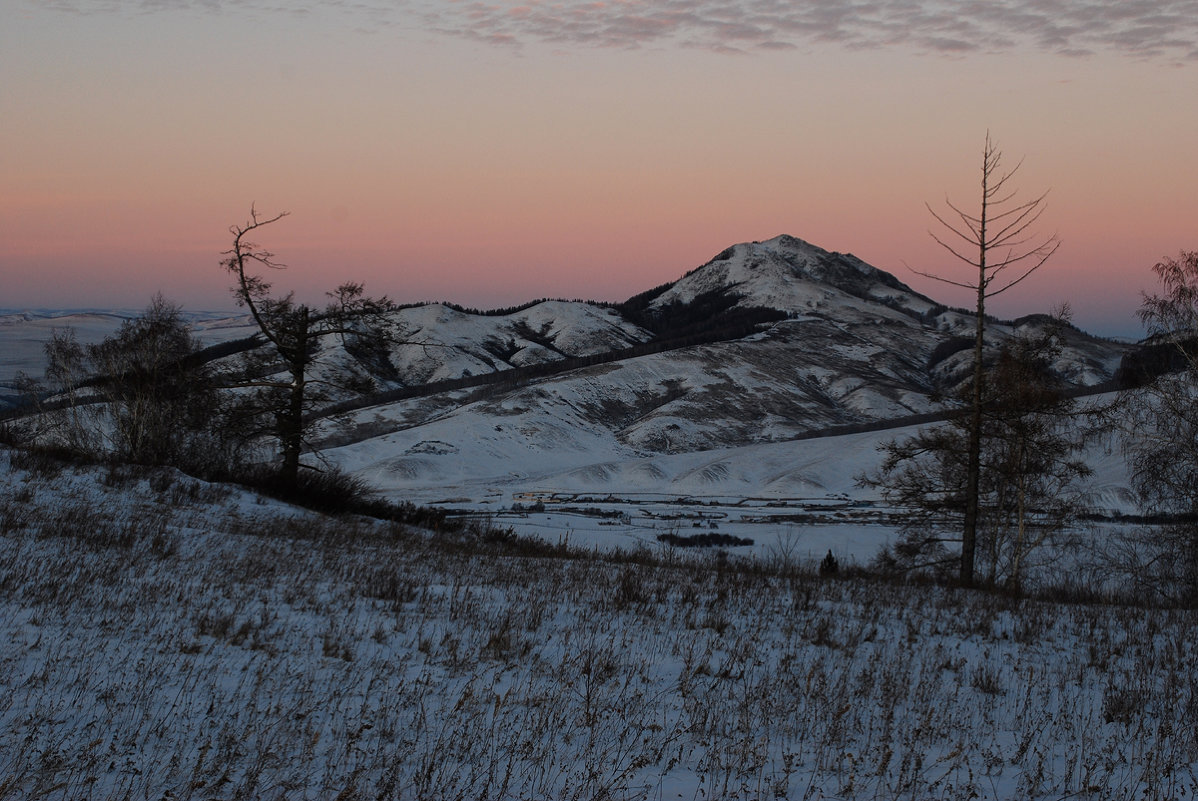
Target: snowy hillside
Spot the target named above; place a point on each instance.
(167, 638)
(24, 334)
(440, 342)
(859, 345)
(859, 349)
(594, 490)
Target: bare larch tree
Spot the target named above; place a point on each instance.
(999, 244)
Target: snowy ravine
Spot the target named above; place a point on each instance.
(165, 638)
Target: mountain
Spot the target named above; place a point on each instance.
(791, 275)
(766, 343)
(442, 342)
(824, 323)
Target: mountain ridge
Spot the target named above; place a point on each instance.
(768, 340)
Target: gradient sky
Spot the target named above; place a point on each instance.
(490, 153)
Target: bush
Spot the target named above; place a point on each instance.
(331, 491)
(709, 540)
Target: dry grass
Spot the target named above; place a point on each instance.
(170, 639)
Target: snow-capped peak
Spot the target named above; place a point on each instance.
(792, 275)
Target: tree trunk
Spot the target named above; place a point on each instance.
(291, 435)
(1020, 531)
(291, 419)
(973, 469)
(1011, 222)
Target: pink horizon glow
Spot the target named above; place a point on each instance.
(436, 167)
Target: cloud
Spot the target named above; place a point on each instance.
(1155, 29)
(1148, 29)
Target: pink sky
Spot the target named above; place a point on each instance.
(492, 154)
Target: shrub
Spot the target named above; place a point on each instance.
(707, 540)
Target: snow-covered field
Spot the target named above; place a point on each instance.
(165, 638)
(571, 484)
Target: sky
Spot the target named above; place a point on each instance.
(489, 153)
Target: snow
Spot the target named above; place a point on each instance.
(792, 275)
(23, 337)
(171, 639)
(442, 343)
(601, 494)
(24, 334)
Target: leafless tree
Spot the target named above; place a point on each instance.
(1163, 449)
(998, 243)
(292, 332)
(62, 417)
(159, 397)
(142, 394)
(1031, 479)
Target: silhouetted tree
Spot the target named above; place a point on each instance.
(281, 383)
(61, 417)
(139, 395)
(1029, 476)
(1163, 448)
(998, 244)
(161, 401)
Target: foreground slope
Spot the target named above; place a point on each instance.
(167, 638)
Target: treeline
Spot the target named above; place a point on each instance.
(1152, 359)
(503, 311)
(676, 320)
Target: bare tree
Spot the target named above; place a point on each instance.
(1163, 449)
(293, 332)
(62, 417)
(142, 394)
(1031, 479)
(160, 397)
(1172, 317)
(998, 243)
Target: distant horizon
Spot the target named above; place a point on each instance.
(1129, 329)
(232, 310)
